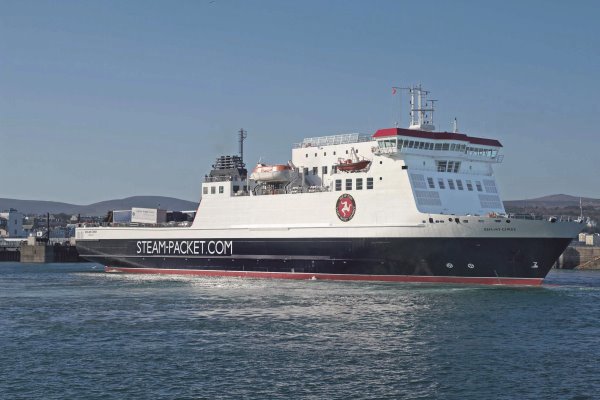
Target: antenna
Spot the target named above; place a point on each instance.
(455, 126)
(432, 108)
(395, 89)
(419, 106)
(243, 135)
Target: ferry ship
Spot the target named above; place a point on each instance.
(408, 205)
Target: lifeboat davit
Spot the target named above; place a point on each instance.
(353, 166)
(277, 173)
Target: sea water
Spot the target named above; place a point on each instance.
(71, 331)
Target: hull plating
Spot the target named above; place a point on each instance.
(458, 260)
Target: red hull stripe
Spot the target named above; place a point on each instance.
(336, 277)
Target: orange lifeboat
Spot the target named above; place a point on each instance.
(353, 166)
(277, 173)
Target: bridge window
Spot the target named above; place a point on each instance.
(221, 189)
(359, 183)
(441, 183)
(348, 184)
(469, 186)
(338, 185)
(448, 166)
(369, 183)
(324, 170)
(213, 190)
(431, 184)
(451, 184)
(459, 184)
(315, 170)
(478, 184)
(205, 190)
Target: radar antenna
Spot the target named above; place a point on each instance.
(419, 107)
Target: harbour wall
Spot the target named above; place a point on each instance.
(580, 257)
(39, 252)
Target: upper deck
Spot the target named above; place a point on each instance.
(345, 138)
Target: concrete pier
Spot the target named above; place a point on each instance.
(33, 251)
(37, 253)
(580, 257)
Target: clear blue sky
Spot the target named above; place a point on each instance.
(108, 99)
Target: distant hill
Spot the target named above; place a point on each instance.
(101, 208)
(553, 201)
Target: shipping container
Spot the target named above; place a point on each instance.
(148, 215)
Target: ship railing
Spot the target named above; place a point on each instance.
(541, 217)
(384, 150)
(224, 178)
(17, 243)
(309, 189)
(170, 224)
(344, 138)
(11, 243)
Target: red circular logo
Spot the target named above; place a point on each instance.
(345, 207)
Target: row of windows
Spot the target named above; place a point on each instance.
(448, 166)
(324, 169)
(454, 184)
(334, 153)
(213, 189)
(414, 144)
(359, 184)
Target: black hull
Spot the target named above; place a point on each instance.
(428, 257)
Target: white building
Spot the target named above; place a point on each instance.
(592, 239)
(11, 222)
